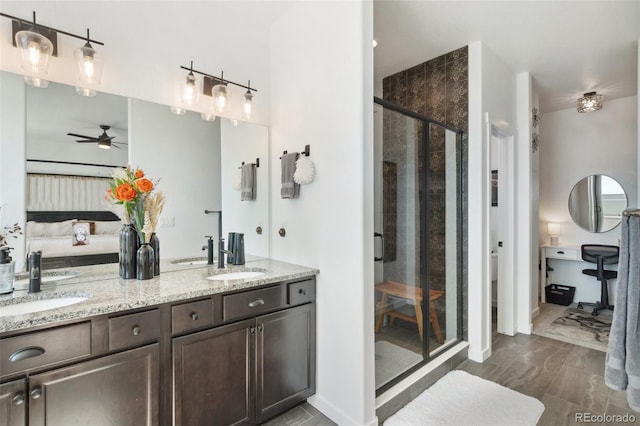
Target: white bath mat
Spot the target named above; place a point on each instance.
(391, 360)
(460, 398)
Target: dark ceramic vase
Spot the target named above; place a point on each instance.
(128, 250)
(145, 260)
(155, 244)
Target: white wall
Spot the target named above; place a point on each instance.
(245, 143)
(147, 42)
(323, 101)
(188, 166)
(492, 95)
(12, 154)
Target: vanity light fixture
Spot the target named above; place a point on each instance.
(248, 99)
(218, 88)
(38, 43)
(89, 68)
(590, 102)
(190, 88)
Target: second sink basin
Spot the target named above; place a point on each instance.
(240, 275)
(39, 305)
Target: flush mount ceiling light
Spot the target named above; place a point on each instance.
(590, 102)
(218, 88)
(37, 43)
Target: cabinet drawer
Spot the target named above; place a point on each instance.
(251, 302)
(190, 316)
(43, 348)
(562, 253)
(301, 292)
(134, 329)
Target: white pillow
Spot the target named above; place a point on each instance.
(108, 226)
(49, 229)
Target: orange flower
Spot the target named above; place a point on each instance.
(144, 185)
(139, 173)
(126, 192)
(108, 195)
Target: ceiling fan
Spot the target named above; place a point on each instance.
(104, 141)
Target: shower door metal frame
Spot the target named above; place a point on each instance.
(424, 224)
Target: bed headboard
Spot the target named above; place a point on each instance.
(59, 216)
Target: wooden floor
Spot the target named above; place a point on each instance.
(566, 378)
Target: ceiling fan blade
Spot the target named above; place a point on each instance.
(87, 141)
(119, 143)
(81, 136)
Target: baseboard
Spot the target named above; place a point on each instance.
(535, 312)
(335, 414)
(479, 355)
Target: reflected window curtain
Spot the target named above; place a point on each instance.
(595, 203)
(65, 193)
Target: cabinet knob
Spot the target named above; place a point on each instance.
(18, 398)
(252, 330)
(260, 327)
(194, 316)
(136, 330)
(302, 291)
(36, 392)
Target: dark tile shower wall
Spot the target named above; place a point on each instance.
(437, 89)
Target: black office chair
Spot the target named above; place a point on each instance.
(600, 255)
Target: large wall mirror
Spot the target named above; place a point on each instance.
(596, 203)
(185, 153)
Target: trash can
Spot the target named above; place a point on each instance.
(559, 294)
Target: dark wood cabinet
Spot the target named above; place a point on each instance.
(115, 390)
(247, 372)
(285, 360)
(212, 376)
(13, 403)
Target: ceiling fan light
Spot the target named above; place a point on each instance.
(106, 144)
(590, 102)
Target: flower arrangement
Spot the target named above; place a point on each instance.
(9, 231)
(132, 198)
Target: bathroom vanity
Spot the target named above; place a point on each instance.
(187, 347)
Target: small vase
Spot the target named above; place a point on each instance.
(145, 260)
(155, 244)
(128, 250)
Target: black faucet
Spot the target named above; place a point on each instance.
(222, 252)
(209, 248)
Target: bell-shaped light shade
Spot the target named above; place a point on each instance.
(221, 98)
(247, 105)
(190, 90)
(36, 50)
(105, 144)
(89, 64)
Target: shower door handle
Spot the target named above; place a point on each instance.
(381, 258)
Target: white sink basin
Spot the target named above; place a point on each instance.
(39, 305)
(241, 275)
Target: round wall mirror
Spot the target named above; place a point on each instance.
(596, 203)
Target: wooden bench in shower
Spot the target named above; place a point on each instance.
(395, 289)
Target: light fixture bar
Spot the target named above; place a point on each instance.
(219, 79)
(27, 22)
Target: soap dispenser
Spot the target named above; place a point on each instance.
(7, 267)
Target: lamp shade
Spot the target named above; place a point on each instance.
(89, 63)
(247, 105)
(190, 90)
(221, 98)
(35, 50)
(554, 229)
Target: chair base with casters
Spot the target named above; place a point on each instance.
(600, 255)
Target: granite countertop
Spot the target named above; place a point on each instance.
(108, 293)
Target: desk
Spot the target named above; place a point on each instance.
(391, 288)
(570, 253)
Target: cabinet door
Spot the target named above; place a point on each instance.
(285, 359)
(116, 390)
(13, 403)
(212, 376)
